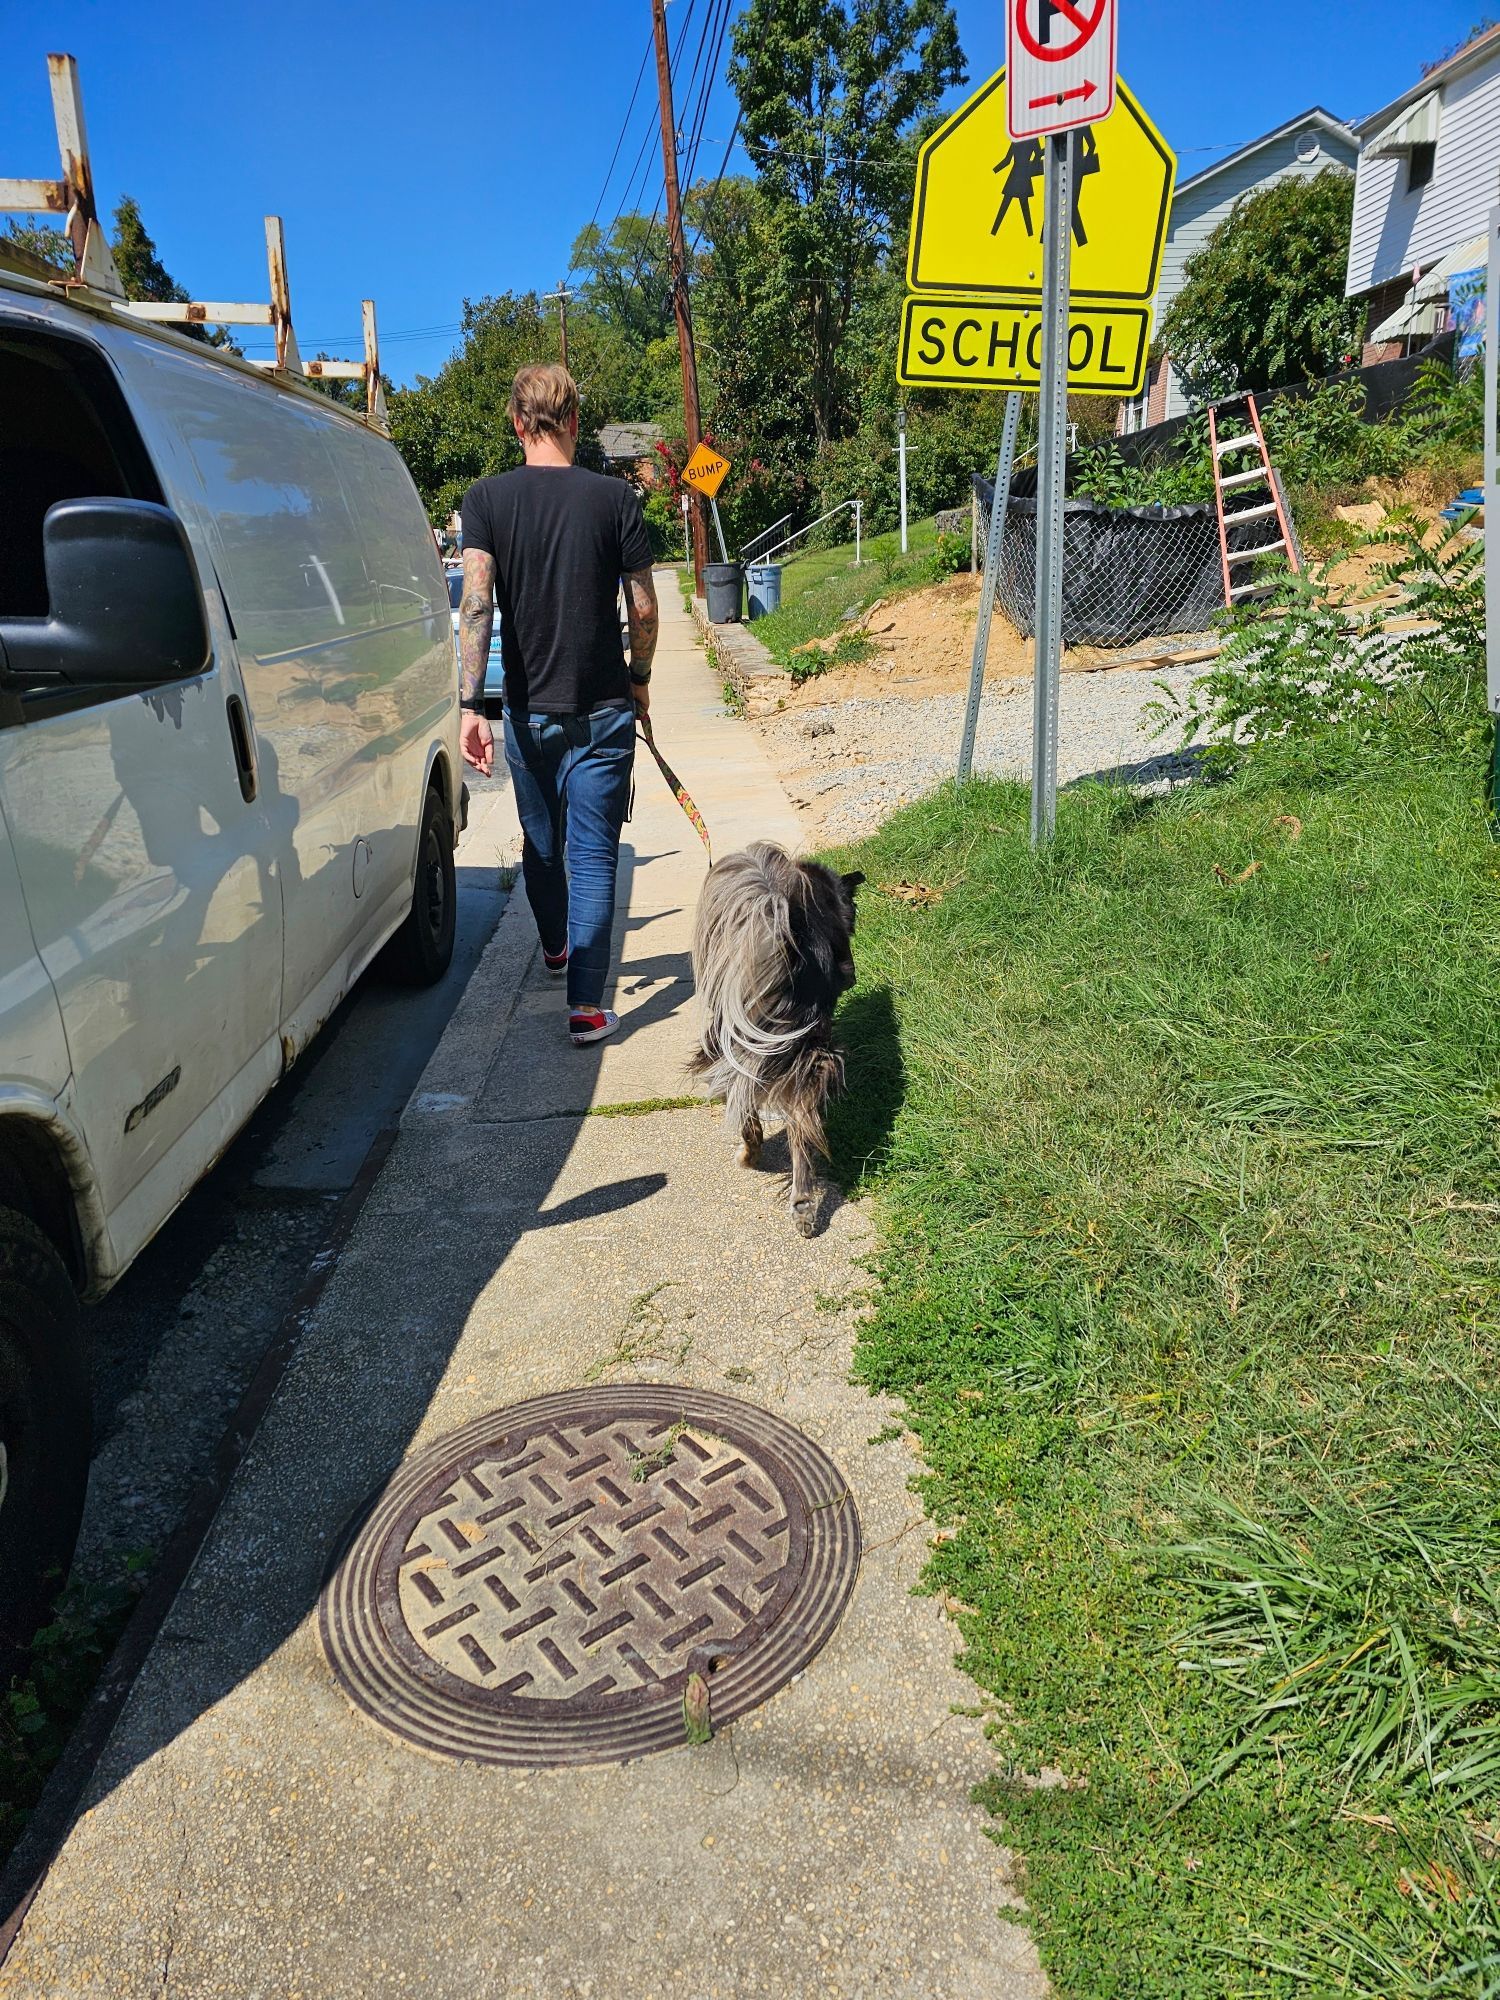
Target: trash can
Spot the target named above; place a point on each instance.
(763, 582)
(723, 583)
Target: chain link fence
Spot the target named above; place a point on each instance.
(1129, 573)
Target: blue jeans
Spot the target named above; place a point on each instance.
(572, 779)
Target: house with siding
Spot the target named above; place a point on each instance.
(1429, 172)
(1307, 144)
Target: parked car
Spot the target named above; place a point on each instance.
(229, 777)
(494, 671)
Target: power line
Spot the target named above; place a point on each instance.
(687, 109)
(713, 193)
(619, 142)
(704, 100)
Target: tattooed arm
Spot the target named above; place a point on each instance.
(640, 609)
(476, 622)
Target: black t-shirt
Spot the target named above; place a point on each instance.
(562, 538)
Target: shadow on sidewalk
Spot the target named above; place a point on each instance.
(456, 1198)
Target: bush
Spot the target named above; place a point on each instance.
(663, 524)
(950, 554)
(1322, 439)
(1263, 302)
(1310, 670)
(1180, 476)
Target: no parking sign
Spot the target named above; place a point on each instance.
(1061, 63)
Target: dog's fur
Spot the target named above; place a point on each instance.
(772, 952)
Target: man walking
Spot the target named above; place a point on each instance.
(551, 543)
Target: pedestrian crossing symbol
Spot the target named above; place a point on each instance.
(977, 214)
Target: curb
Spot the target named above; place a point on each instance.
(52, 1817)
(493, 988)
(759, 680)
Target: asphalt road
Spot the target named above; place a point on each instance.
(178, 1339)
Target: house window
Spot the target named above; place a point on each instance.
(1419, 165)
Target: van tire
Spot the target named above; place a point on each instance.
(46, 1427)
(422, 950)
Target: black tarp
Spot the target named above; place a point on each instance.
(1129, 573)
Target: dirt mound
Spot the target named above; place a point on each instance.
(924, 641)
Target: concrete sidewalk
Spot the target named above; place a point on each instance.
(249, 1834)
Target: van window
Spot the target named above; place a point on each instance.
(65, 434)
(295, 576)
(397, 539)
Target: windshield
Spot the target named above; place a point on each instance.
(455, 588)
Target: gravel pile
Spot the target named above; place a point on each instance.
(849, 764)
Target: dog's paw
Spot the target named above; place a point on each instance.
(805, 1214)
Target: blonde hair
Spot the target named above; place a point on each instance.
(543, 400)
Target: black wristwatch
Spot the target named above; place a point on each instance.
(640, 680)
(474, 707)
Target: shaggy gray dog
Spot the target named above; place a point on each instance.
(772, 951)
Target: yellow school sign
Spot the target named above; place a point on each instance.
(974, 268)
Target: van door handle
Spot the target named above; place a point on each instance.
(244, 748)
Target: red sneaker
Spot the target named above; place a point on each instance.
(555, 963)
(591, 1024)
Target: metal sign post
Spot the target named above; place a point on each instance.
(1052, 445)
(718, 529)
(1491, 454)
(999, 507)
(901, 453)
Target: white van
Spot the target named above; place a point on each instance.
(229, 776)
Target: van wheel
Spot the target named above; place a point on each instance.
(46, 1424)
(422, 950)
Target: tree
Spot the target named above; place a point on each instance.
(1263, 302)
(144, 276)
(49, 245)
(627, 277)
(453, 427)
(832, 95)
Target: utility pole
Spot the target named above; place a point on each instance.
(562, 295)
(678, 250)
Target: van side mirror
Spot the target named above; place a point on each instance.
(125, 607)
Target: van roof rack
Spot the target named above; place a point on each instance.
(94, 275)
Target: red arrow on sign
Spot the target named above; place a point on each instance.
(1084, 90)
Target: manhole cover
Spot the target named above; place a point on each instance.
(538, 1587)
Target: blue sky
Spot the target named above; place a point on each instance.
(420, 154)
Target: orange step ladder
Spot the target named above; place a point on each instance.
(1266, 505)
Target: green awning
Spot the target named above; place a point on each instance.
(1417, 126)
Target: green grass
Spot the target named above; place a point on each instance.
(1189, 1188)
(641, 1106)
(821, 589)
(41, 1702)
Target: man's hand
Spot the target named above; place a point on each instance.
(477, 742)
(641, 696)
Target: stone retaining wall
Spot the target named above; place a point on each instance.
(734, 649)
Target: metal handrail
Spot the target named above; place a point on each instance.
(781, 523)
(800, 532)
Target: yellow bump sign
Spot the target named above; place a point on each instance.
(997, 344)
(705, 471)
